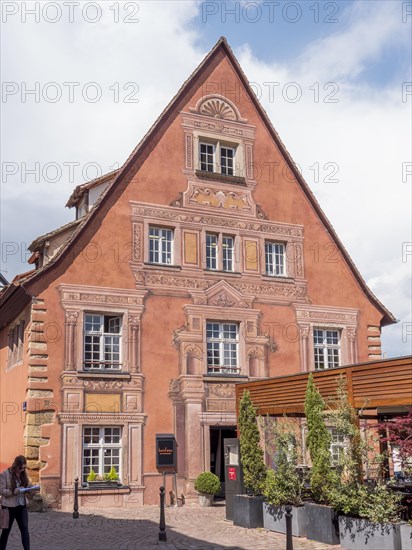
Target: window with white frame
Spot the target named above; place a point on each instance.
(216, 260)
(275, 259)
(102, 341)
(222, 340)
(217, 157)
(337, 446)
(160, 245)
(102, 450)
(327, 348)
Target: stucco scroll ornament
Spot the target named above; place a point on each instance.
(174, 386)
(255, 353)
(176, 336)
(226, 391)
(71, 317)
(103, 384)
(194, 351)
(222, 299)
(133, 323)
(177, 202)
(351, 332)
(299, 264)
(271, 345)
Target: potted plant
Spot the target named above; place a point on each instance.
(248, 509)
(283, 484)
(322, 520)
(207, 485)
(112, 476)
(106, 481)
(406, 535)
(368, 516)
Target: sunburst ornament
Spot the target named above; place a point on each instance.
(217, 108)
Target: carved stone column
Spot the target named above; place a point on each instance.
(304, 343)
(351, 332)
(134, 347)
(192, 393)
(71, 324)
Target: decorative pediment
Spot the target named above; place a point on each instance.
(222, 294)
(217, 107)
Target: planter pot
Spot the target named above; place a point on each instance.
(406, 536)
(248, 511)
(103, 484)
(206, 500)
(274, 519)
(322, 523)
(360, 534)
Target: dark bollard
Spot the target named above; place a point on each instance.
(76, 499)
(288, 515)
(162, 523)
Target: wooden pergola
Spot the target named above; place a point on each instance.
(379, 385)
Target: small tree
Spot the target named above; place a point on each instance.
(283, 484)
(322, 477)
(345, 419)
(348, 494)
(254, 469)
(399, 434)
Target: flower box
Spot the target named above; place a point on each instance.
(362, 534)
(274, 519)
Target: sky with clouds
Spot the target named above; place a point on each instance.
(82, 82)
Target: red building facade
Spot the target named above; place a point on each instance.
(204, 261)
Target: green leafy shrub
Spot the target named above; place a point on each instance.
(379, 504)
(322, 477)
(251, 453)
(92, 475)
(112, 475)
(283, 484)
(207, 483)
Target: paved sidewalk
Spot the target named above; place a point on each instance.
(138, 529)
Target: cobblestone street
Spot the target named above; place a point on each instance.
(121, 529)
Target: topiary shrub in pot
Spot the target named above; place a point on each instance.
(248, 509)
(207, 485)
(322, 520)
(283, 485)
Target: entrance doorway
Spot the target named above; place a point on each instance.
(217, 458)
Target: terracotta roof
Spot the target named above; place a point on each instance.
(80, 190)
(137, 157)
(38, 243)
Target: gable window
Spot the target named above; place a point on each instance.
(217, 157)
(327, 348)
(275, 259)
(102, 447)
(222, 340)
(160, 245)
(102, 339)
(216, 260)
